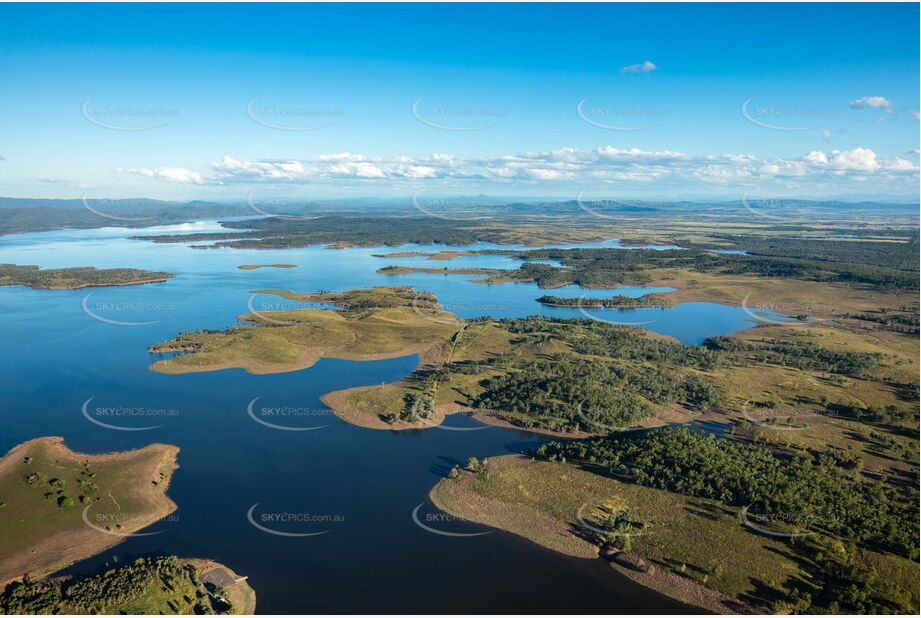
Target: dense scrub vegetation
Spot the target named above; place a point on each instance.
(565, 396)
(571, 395)
(901, 320)
(68, 278)
(275, 232)
(149, 585)
(895, 255)
(801, 355)
(889, 268)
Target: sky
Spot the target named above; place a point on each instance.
(654, 101)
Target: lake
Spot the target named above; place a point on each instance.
(354, 490)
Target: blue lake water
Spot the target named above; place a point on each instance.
(359, 487)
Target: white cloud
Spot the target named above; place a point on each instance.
(169, 174)
(816, 156)
(232, 169)
(543, 174)
(419, 171)
(342, 156)
(900, 165)
(859, 159)
(872, 102)
(565, 167)
(643, 67)
(360, 169)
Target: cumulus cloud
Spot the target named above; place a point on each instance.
(872, 102)
(563, 167)
(230, 168)
(359, 169)
(899, 164)
(169, 174)
(860, 159)
(643, 67)
(539, 173)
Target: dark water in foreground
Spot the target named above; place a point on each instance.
(357, 487)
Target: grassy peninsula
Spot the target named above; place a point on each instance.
(58, 506)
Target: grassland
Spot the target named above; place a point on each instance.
(58, 506)
(75, 278)
(694, 549)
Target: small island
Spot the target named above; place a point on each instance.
(618, 302)
(256, 266)
(378, 323)
(429, 255)
(409, 270)
(76, 278)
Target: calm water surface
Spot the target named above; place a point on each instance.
(359, 487)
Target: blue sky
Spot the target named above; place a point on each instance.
(214, 101)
